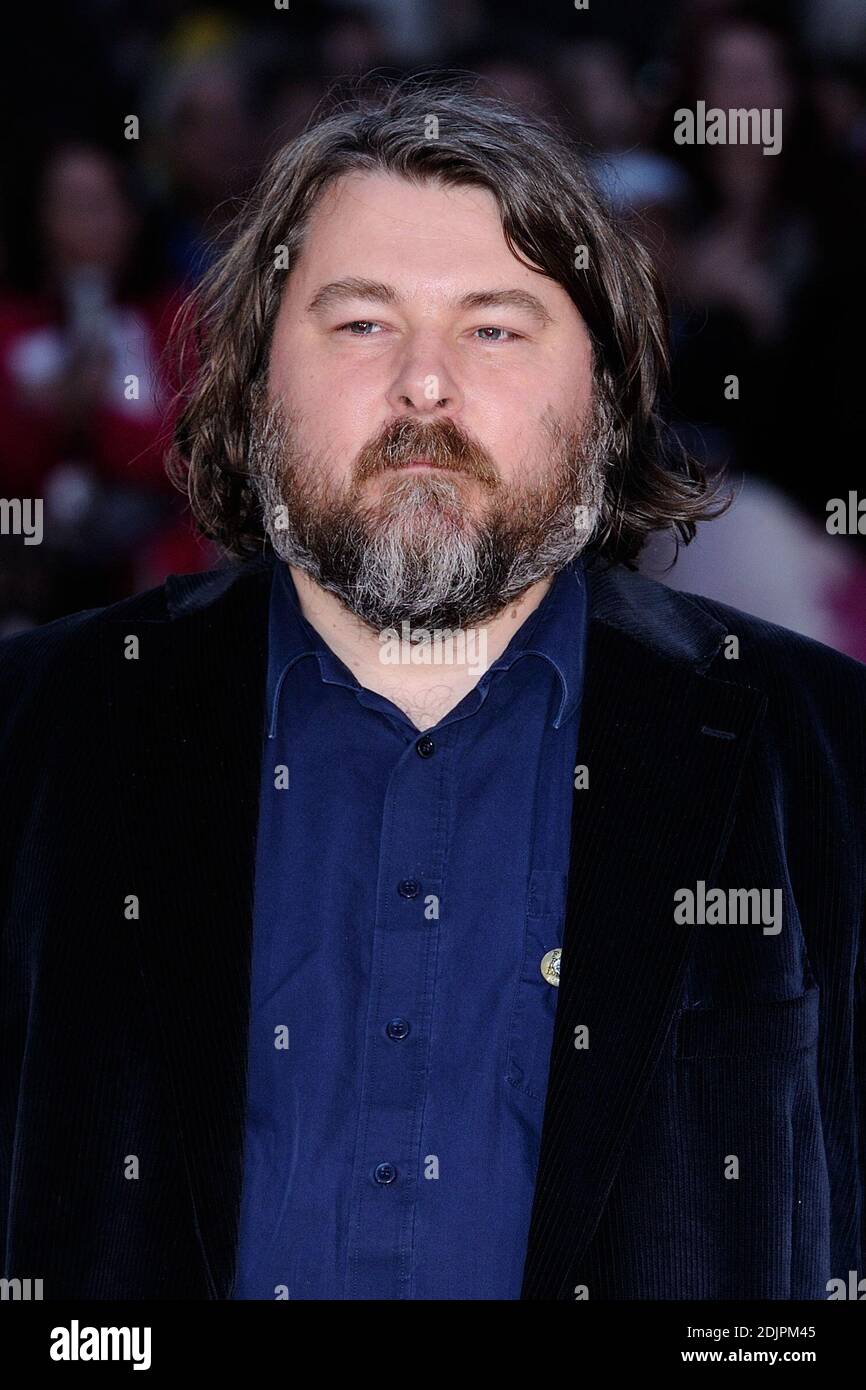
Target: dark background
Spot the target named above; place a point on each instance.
(762, 256)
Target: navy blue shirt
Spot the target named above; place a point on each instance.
(408, 887)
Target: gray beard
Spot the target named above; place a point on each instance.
(403, 559)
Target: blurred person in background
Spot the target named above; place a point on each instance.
(84, 405)
(745, 244)
(756, 242)
(597, 82)
(354, 40)
(765, 235)
(287, 94)
(205, 149)
(514, 67)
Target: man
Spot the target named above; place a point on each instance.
(424, 905)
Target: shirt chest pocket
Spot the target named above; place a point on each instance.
(533, 1009)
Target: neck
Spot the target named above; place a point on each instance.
(425, 690)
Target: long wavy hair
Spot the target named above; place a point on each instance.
(445, 129)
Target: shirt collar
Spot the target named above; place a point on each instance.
(554, 631)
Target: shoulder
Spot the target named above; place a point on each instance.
(690, 627)
(778, 657)
(36, 661)
(814, 729)
(815, 697)
(27, 657)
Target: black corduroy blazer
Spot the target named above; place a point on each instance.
(704, 1132)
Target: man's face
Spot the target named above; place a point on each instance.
(429, 430)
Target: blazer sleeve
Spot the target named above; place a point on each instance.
(28, 665)
(13, 984)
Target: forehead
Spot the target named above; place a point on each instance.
(388, 228)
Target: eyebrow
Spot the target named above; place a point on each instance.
(355, 288)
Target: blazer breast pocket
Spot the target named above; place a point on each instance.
(530, 1030)
(764, 1028)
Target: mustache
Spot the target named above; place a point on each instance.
(441, 441)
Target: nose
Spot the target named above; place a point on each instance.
(424, 382)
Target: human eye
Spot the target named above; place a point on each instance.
(491, 328)
(348, 328)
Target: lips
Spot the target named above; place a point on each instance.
(422, 463)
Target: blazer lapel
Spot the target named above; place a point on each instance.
(665, 747)
(188, 748)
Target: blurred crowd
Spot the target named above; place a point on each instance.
(132, 133)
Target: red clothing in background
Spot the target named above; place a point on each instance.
(125, 440)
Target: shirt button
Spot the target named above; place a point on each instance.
(385, 1173)
(550, 966)
(397, 1029)
(425, 747)
(409, 888)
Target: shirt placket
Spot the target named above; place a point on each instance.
(385, 1172)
